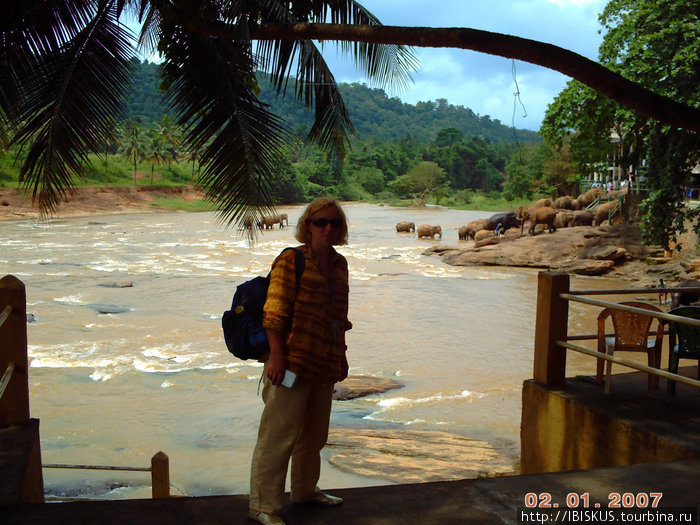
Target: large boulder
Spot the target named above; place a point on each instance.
(359, 386)
(581, 250)
(414, 456)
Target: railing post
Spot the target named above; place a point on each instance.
(14, 404)
(160, 475)
(550, 327)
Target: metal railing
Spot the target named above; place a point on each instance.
(550, 366)
(159, 469)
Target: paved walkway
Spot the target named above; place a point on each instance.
(493, 501)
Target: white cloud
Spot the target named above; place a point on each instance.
(484, 82)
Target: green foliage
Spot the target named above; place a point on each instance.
(150, 145)
(420, 182)
(664, 211)
(370, 179)
(146, 103)
(67, 75)
(657, 44)
(173, 204)
(376, 116)
(582, 118)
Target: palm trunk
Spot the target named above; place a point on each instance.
(625, 92)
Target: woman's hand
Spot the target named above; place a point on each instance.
(277, 362)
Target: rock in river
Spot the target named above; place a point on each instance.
(358, 386)
(414, 456)
(117, 284)
(110, 308)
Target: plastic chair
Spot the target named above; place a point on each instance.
(631, 335)
(688, 342)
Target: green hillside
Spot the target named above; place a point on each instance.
(430, 150)
(375, 115)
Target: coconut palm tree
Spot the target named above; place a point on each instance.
(156, 152)
(133, 146)
(69, 68)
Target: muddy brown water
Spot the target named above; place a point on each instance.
(115, 388)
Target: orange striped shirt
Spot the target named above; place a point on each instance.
(315, 344)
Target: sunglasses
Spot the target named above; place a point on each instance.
(322, 222)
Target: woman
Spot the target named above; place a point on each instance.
(305, 327)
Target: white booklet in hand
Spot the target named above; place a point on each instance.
(289, 379)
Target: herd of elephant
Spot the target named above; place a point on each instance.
(550, 214)
(267, 221)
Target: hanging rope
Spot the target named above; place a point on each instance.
(516, 99)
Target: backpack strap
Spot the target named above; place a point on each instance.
(299, 267)
(299, 263)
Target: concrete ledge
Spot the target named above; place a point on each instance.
(492, 501)
(21, 479)
(576, 426)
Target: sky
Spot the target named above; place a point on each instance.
(484, 83)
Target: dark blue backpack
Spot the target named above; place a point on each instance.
(243, 331)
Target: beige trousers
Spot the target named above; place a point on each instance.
(294, 423)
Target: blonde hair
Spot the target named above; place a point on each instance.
(303, 233)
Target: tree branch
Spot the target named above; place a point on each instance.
(625, 92)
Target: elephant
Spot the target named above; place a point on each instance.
(589, 196)
(602, 211)
(268, 221)
(564, 203)
(484, 234)
(475, 226)
(426, 230)
(685, 298)
(541, 203)
(283, 219)
(563, 219)
(543, 215)
(405, 227)
(582, 218)
(463, 233)
(508, 219)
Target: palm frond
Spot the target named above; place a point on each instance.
(28, 30)
(315, 84)
(211, 84)
(387, 65)
(71, 99)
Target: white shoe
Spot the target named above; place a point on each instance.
(263, 518)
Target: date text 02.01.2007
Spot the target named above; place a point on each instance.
(625, 500)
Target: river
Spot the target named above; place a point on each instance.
(113, 389)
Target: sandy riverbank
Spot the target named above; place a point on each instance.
(81, 202)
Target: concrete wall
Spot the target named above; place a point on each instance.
(560, 432)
